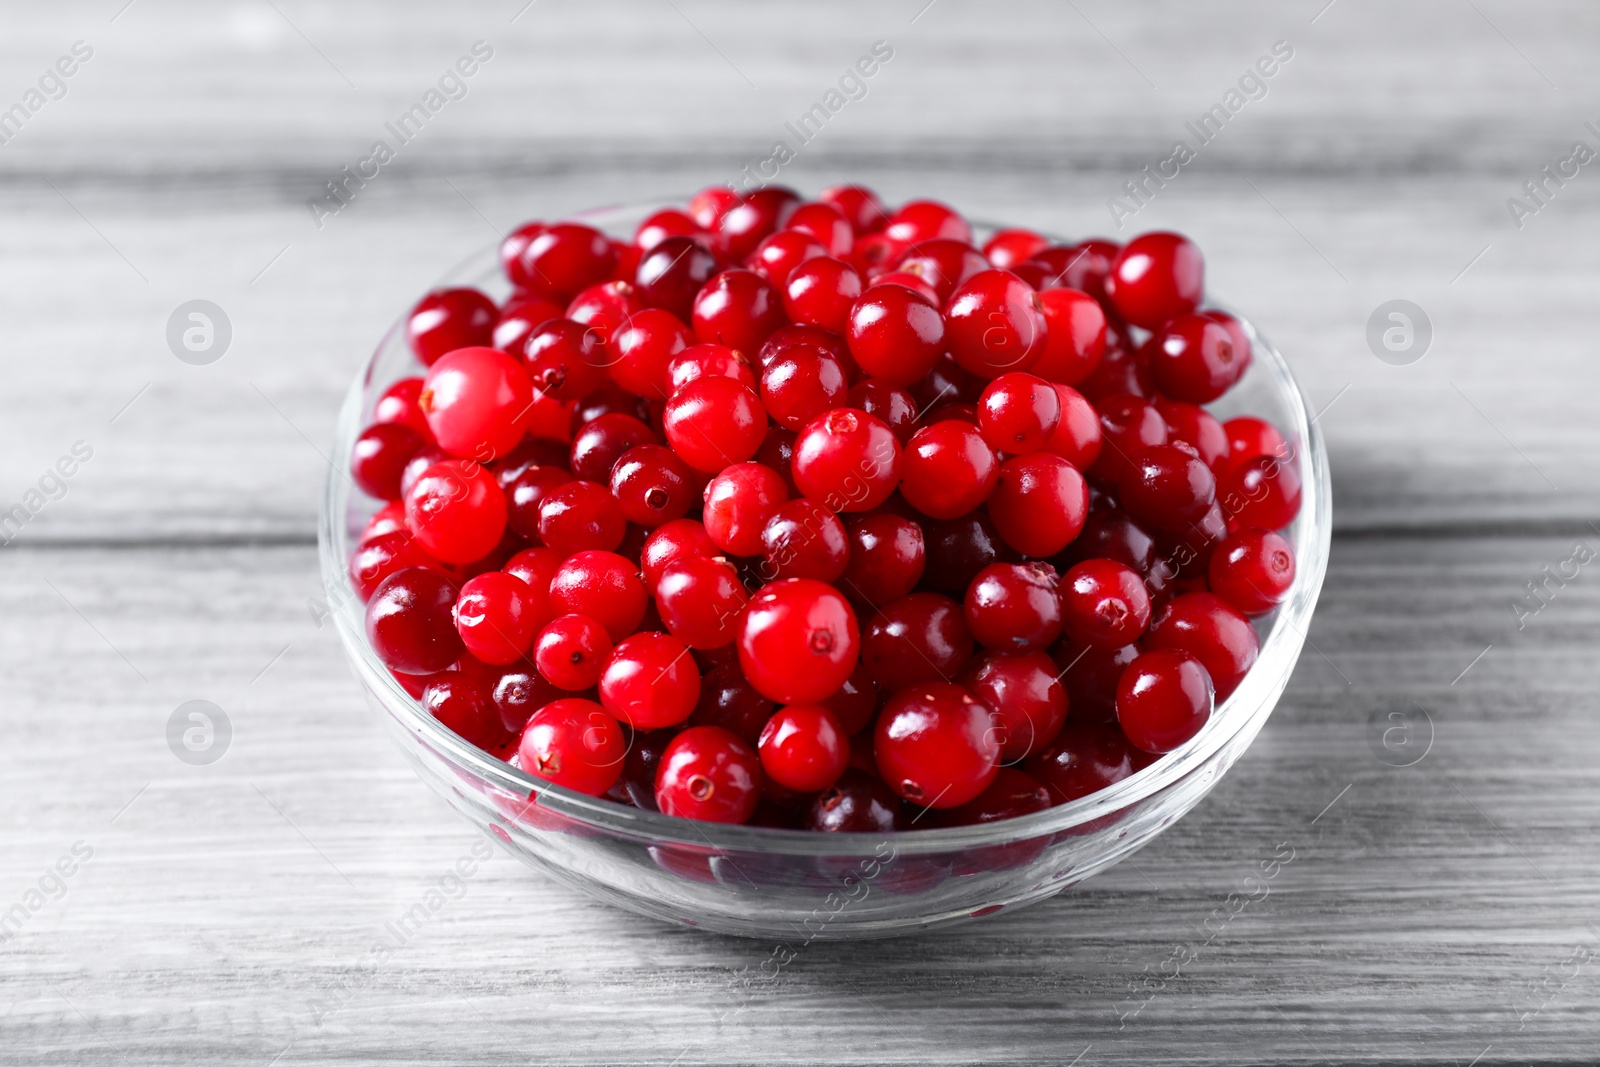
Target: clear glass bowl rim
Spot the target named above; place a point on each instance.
(1311, 539)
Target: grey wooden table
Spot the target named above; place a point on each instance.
(1443, 912)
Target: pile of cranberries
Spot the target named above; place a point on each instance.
(814, 514)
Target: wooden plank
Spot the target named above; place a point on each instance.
(227, 907)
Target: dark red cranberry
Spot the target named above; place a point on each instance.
(801, 383)
(668, 222)
(578, 516)
(1085, 758)
(918, 638)
(1194, 426)
(1128, 425)
(678, 539)
(757, 214)
(605, 307)
(943, 264)
(856, 701)
(1013, 607)
(672, 272)
(639, 767)
(737, 308)
(1028, 700)
(1208, 628)
(380, 456)
(859, 205)
(652, 485)
(411, 621)
(1263, 492)
(1039, 503)
(526, 493)
(448, 319)
(729, 701)
(378, 557)
(1164, 698)
(888, 402)
(1112, 535)
(886, 557)
(1193, 359)
(858, 803)
(1167, 487)
(564, 259)
(957, 549)
(462, 703)
(517, 693)
(1104, 603)
(599, 444)
(1018, 413)
(803, 539)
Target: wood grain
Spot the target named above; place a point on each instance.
(1431, 913)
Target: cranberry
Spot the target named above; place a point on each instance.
(1112, 535)
(737, 308)
(1121, 370)
(564, 259)
(856, 702)
(858, 803)
(672, 272)
(936, 745)
(399, 404)
(1077, 437)
(713, 422)
(886, 557)
(858, 204)
(1090, 675)
(798, 641)
(709, 774)
(738, 503)
(668, 222)
(652, 485)
(1028, 700)
(599, 443)
(448, 319)
(826, 223)
(1039, 503)
(700, 599)
(1018, 413)
(1206, 627)
(804, 748)
(1262, 492)
(803, 539)
(744, 224)
(1104, 604)
(1084, 266)
(1163, 700)
(800, 384)
(476, 402)
(1085, 758)
(1075, 336)
(821, 292)
(1128, 425)
(708, 206)
(915, 282)
(948, 469)
(602, 585)
(565, 359)
(1195, 427)
(795, 334)
(496, 615)
(846, 459)
(780, 253)
(1013, 607)
(916, 639)
(923, 220)
(1193, 359)
(1157, 276)
(1249, 437)
(1167, 487)
(378, 557)
(380, 456)
(887, 402)
(580, 515)
(943, 264)
(670, 542)
(650, 681)
(605, 307)
(536, 567)
(708, 361)
(456, 510)
(728, 700)
(1009, 247)
(573, 743)
(895, 333)
(411, 621)
(519, 318)
(1252, 570)
(570, 652)
(517, 693)
(994, 324)
(957, 549)
(642, 347)
(511, 250)
(391, 518)
(526, 493)
(1187, 552)
(462, 703)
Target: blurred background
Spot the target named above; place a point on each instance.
(1426, 152)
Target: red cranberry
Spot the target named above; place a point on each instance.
(700, 599)
(668, 222)
(738, 503)
(804, 748)
(708, 361)
(670, 542)
(605, 307)
(564, 259)
(520, 319)
(411, 621)
(943, 264)
(448, 319)
(1039, 503)
(858, 803)
(1013, 607)
(580, 515)
(827, 223)
(1082, 266)
(821, 292)
(1163, 700)
(652, 485)
(511, 250)
(1167, 487)
(602, 585)
(526, 493)
(858, 204)
(915, 282)
(380, 456)
(708, 206)
(936, 745)
(795, 334)
(744, 224)
(642, 347)
(1121, 370)
(565, 359)
(1010, 247)
(846, 459)
(1075, 336)
(1018, 413)
(570, 652)
(575, 744)
(1193, 359)
(1085, 758)
(1249, 437)
(778, 254)
(737, 308)
(888, 402)
(476, 402)
(496, 615)
(957, 549)
(1128, 425)
(916, 639)
(798, 641)
(536, 567)
(728, 700)
(1195, 427)
(923, 220)
(650, 681)
(948, 469)
(713, 422)
(800, 384)
(399, 404)
(1252, 570)
(456, 510)
(378, 557)
(895, 333)
(517, 693)
(462, 703)
(803, 539)
(1111, 534)
(599, 443)
(1077, 437)
(1156, 277)
(886, 557)
(1104, 604)
(1262, 492)
(1028, 700)
(1206, 627)
(994, 324)
(706, 773)
(856, 702)
(672, 272)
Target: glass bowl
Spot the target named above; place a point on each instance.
(793, 885)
